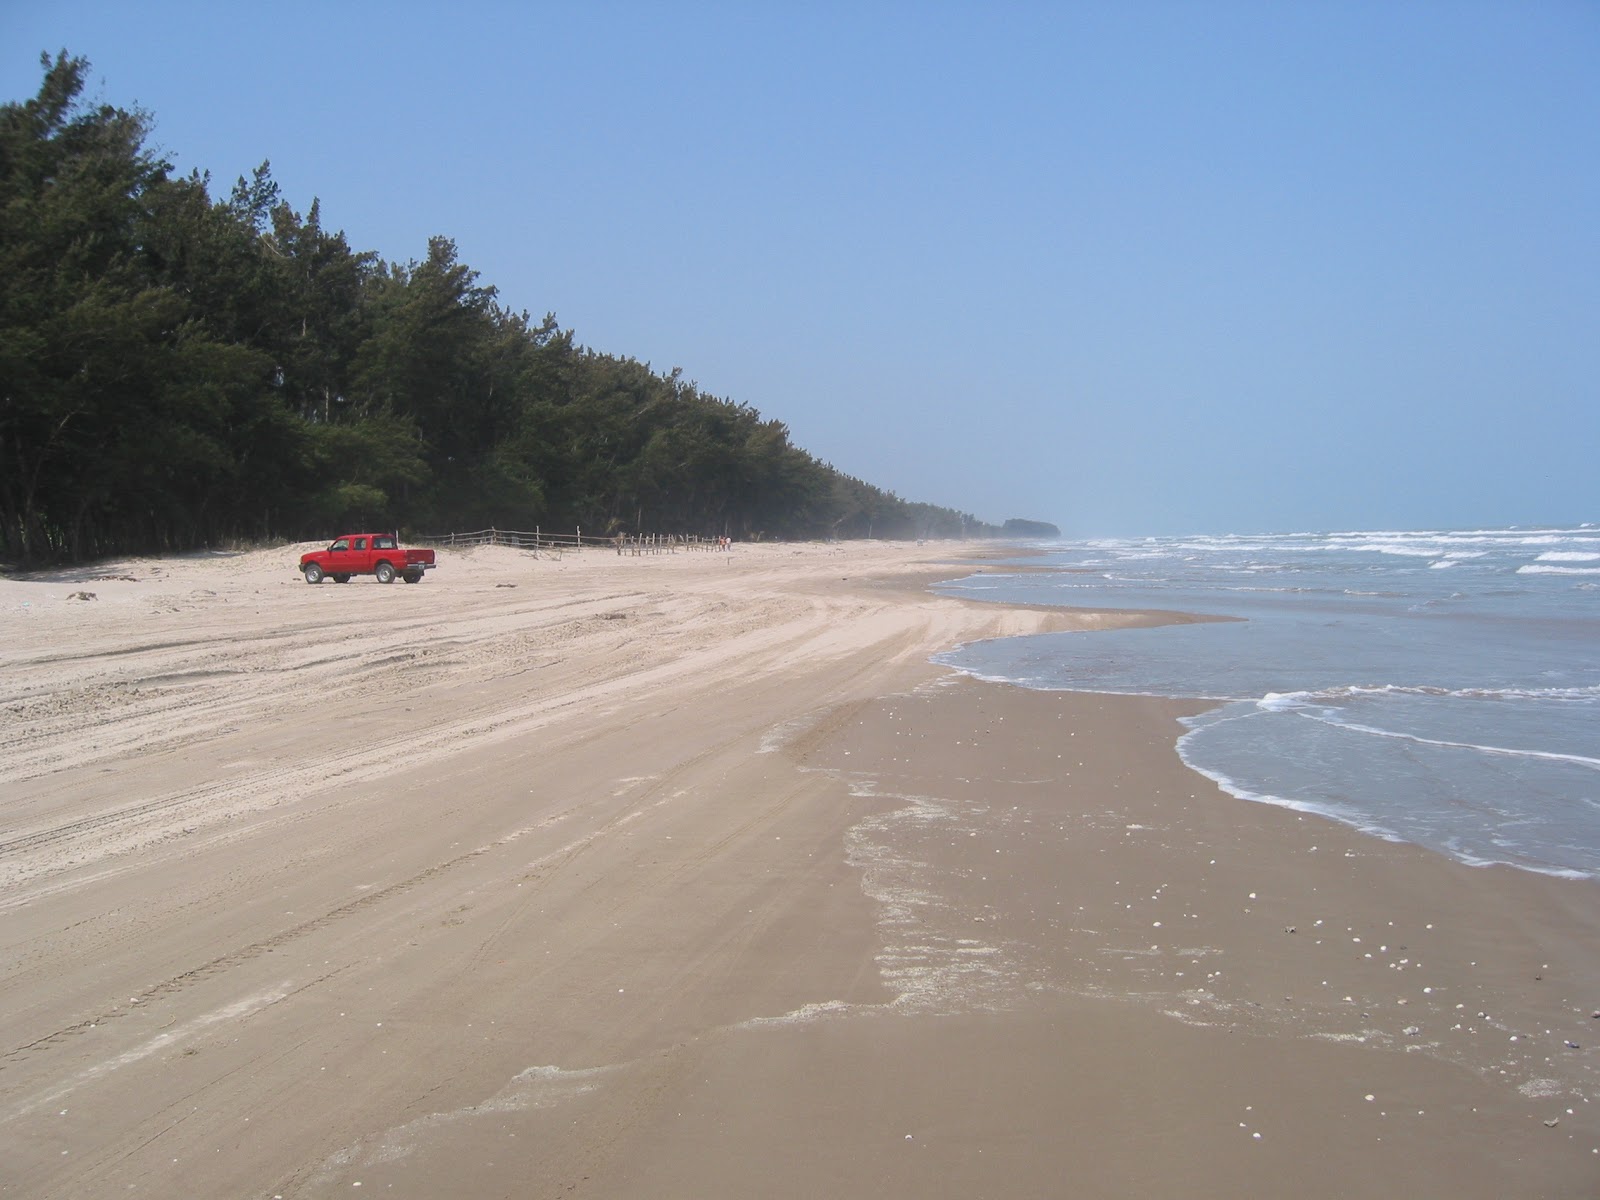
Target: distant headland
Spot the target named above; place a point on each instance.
(1017, 527)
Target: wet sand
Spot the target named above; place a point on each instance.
(689, 876)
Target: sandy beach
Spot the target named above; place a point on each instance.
(688, 875)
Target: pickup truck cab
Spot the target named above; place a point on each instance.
(376, 554)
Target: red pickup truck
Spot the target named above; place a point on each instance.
(366, 554)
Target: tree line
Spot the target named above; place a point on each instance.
(179, 371)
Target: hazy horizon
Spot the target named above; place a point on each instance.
(1131, 270)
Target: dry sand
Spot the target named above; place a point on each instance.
(688, 876)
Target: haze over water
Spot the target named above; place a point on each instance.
(1436, 687)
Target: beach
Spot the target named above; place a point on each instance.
(690, 875)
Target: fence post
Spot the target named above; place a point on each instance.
(580, 535)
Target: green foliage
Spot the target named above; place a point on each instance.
(177, 370)
(1019, 528)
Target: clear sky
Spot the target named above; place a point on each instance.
(1131, 267)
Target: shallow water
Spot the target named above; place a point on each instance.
(1437, 687)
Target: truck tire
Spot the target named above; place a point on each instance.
(341, 578)
(313, 573)
(412, 576)
(385, 572)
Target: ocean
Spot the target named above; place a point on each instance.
(1434, 687)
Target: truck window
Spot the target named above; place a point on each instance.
(383, 543)
(361, 544)
(340, 544)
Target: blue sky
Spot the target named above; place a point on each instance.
(1128, 267)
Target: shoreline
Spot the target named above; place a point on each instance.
(693, 876)
(1079, 991)
(1450, 708)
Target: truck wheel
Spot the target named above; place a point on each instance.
(313, 573)
(341, 578)
(412, 576)
(385, 572)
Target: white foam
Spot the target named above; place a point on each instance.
(1234, 788)
(1541, 1089)
(1474, 860)
(534, 1088)
(782, 734)
(1579, 760)
(804, 1015)
(1404, 551)
(929, 957)
(1284, 701)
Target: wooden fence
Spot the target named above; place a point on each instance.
(540, 542)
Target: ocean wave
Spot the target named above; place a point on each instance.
(1465, 832)
(1404, 551)
(1497, 654)
(1360, 822)
(1449, 545)
(1286, 701)
(1284, 590)
(1478, 860)
(1323, 715)
(1335, 695)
